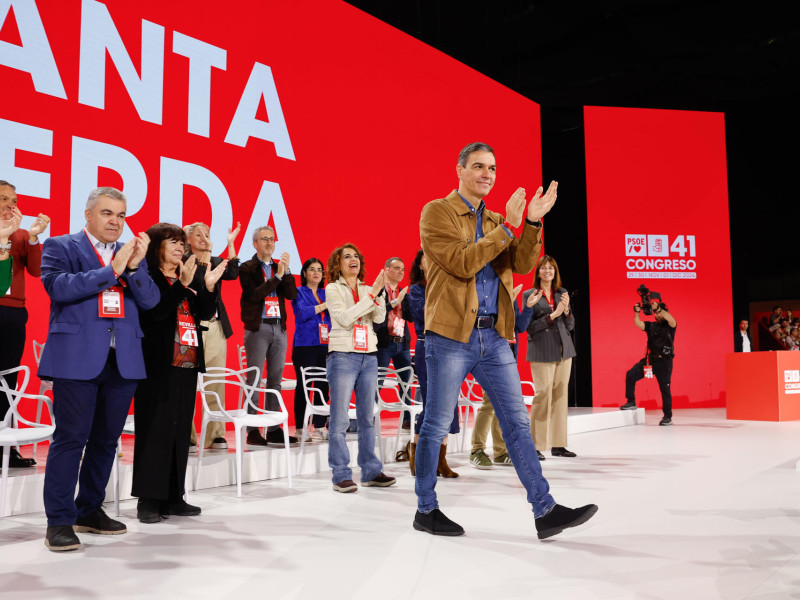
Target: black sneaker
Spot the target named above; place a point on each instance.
(98, 521)
(540, 455)
(628, 406)
(254, 438)
(561, 518)
(665, 421)
(180, 508)
(436, 523)
(276, 437)
(61, 538)
(219, 444)
(556, 451)
(148, 511)
(380, 481)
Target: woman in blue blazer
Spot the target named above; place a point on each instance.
(312, 324)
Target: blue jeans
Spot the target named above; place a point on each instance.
(487, 356)
(422, 378)
(349, 371)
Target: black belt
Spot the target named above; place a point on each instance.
(485, 322)
(273, 321)
(397, 340)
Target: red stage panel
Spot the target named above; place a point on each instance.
(310, 115)
(658, 214)
(763, 386)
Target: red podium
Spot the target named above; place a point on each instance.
(763, 386)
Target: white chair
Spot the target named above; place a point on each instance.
(311, 377)
(21, 387)
(286, 383)
(240, 418)
(470, 398)
(528, 398)
(128, 429)
(391, 382)
(11, 435)
(45, 385)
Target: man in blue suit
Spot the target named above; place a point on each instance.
(94, 357)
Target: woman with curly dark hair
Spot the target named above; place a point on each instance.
(173, 355)
(353, 365)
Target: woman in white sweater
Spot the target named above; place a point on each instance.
(352, 364)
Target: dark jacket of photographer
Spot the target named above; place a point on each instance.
(660, 339)
(549, 339)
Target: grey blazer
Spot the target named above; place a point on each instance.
(549, 341)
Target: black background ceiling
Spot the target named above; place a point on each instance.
(742, 59)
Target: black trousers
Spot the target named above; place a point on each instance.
(12, 326)
(308, 356)
(662, 369)
(163, 410)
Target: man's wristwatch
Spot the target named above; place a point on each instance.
(536, 223)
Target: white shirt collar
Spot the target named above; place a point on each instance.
(97, 243)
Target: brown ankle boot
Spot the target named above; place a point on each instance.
(443, 469)
(412, 452)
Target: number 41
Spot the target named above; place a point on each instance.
(679, 247)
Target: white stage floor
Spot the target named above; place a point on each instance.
(707, 508)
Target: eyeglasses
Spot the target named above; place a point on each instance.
(267, 239)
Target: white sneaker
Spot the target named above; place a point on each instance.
(192, 447)
(321, 433)
(305, 435)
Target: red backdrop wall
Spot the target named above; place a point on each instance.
(311, 115)
(658, 214)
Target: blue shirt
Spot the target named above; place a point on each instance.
(267, 268)
(306, 319)
(487, 281)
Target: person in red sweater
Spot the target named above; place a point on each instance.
(27, 254)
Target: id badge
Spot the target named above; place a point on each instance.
(111, 303)
(187, 330)
(360, 339)
(273, 308)
(323, 333)
(399, 327)
(648, 371)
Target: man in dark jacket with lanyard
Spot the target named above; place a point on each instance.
(469, 318)
(266, 285)
(658, 360)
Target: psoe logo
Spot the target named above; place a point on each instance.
(791, 381)
(635, 245)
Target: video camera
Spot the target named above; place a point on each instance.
(647, 296)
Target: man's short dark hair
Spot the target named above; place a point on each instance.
(11, 185)
(470, 148)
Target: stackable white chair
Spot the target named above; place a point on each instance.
(11, 434)
(240, 418)
(470, 398)
(127, 429)
(45, 385)
(311, 376)
(528, 398)
(401, 396)
(286, 382)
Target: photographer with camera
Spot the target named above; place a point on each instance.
(658, 356)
